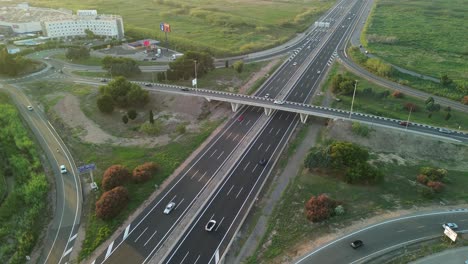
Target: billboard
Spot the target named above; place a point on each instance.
(165, 27)
(450, 233)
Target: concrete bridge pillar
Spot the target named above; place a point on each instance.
(235, 106)
(268, 111)
(303, 118)
(208, 99)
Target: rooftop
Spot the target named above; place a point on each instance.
(17, 14)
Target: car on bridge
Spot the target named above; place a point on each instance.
(280, 102)
(445, 131)
(404, 123)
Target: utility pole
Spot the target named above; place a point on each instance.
(196, 81)
(352, 101)
(407, 121)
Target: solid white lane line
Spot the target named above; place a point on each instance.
(202, 176)
(255, 167)
(399, 231)
(73, 237)
(230, 190)
(194, 174)
(184, 257)
(181, 201)
(109, 250)
(218, 226)
(268, 148)
(421, 226)
(239, 192)
(234, 139)
(229, 135)
(261, 144)
(150, 237)
(220, 155)
(246, 165)
(213, 152)
(140, 235)
(197, 260)
(126, 232)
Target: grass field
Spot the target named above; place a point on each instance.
(394, 107)
(428, 37)
(220, 26)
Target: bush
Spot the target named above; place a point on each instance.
(181, 129)
(435, 186)
(114, 176)
(144, 172)
(339, 210)
(125, 119)
(319, 208)
(132, 114)
(422, 179)
(105, 104)
(465, 100)
(434, 174)
(152, 129)
(360, 129)
(111, 203)
(397, 94)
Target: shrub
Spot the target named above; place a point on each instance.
(319, 208)
(411, 107)
(125, 119)
(397, 94)
(132, 114)
(105, 104)
(422, 179)
(465, 100)
(111, 203)
(434, 174)
(181, 129)
(360, 129)
(144, 171)
(152, 129)
(114, 176)
(339, 210)
(435, 186)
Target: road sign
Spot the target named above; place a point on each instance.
(450, 233)
(86, 168)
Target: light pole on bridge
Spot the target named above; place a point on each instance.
(352, 101)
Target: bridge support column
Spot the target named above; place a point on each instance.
(208, 99)
(268, 111)
(235, 107)
(303, 118)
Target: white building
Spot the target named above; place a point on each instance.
(76, 25)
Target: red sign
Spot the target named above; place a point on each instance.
(146, 43)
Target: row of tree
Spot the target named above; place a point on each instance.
(183, 68)
(347, 158)
(116, 196)
(121, 93)
(74, 53)
(120, 66)
(12, 64)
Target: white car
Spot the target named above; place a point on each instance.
(295, 63)
(169, 207)
(452, 226)
(210, 225)
(63, 169)
(279, 102)
(30, 108)
(445, 131)
(267, 95)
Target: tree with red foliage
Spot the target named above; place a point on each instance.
(115, 175)
(422, 179)
(111, 203)
(144, 172)
(319, 208)
(465, 100)
(436, 186)
(411, 107)
(397, 94)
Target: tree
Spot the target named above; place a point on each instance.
(445, 80)
(435, 186)
(12, 64)
(120, 66)
(319, 208)
(335, 83)
(429, 100)
(410, 107)
(144, 172)
(363, 173)
(448, 116)
(465, 100)
(397, 94)
(347, 154)
(111, 203)
(238, 66)
(226, 64)
(132, 114)
(183, 67)
(125, 119)
(105, 104)
(89, 34)
(422, 179)
(125, 93)
(115, 175)
(151, 117)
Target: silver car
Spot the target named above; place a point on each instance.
(169, 207)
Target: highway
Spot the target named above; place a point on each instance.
(61, 235)
(387, 236)
(229, 206)
(145, 235)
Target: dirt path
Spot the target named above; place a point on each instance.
(70, 112)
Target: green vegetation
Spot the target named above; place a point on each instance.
(288, 225)
(183, 68)
(23, 210)
(169, 156)
(218, 27)
(447, 88)
(74, 53)
(90, 61)
(122, 93)
(15, 64)
(376, 100)
(360, 129)
(120, 66)
(423, 36)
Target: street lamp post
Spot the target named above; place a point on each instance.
(196, 81)
(409, 115)
(352, 101)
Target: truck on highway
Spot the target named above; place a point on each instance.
(176, 56)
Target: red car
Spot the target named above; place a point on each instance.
(404, 123)
(240, 118)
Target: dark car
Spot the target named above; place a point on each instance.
(185, 89)
(263, 162)
(103, 80)
(148, 85)
(357, 243)
(404, 123)
(154, 58)
(145, 59)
